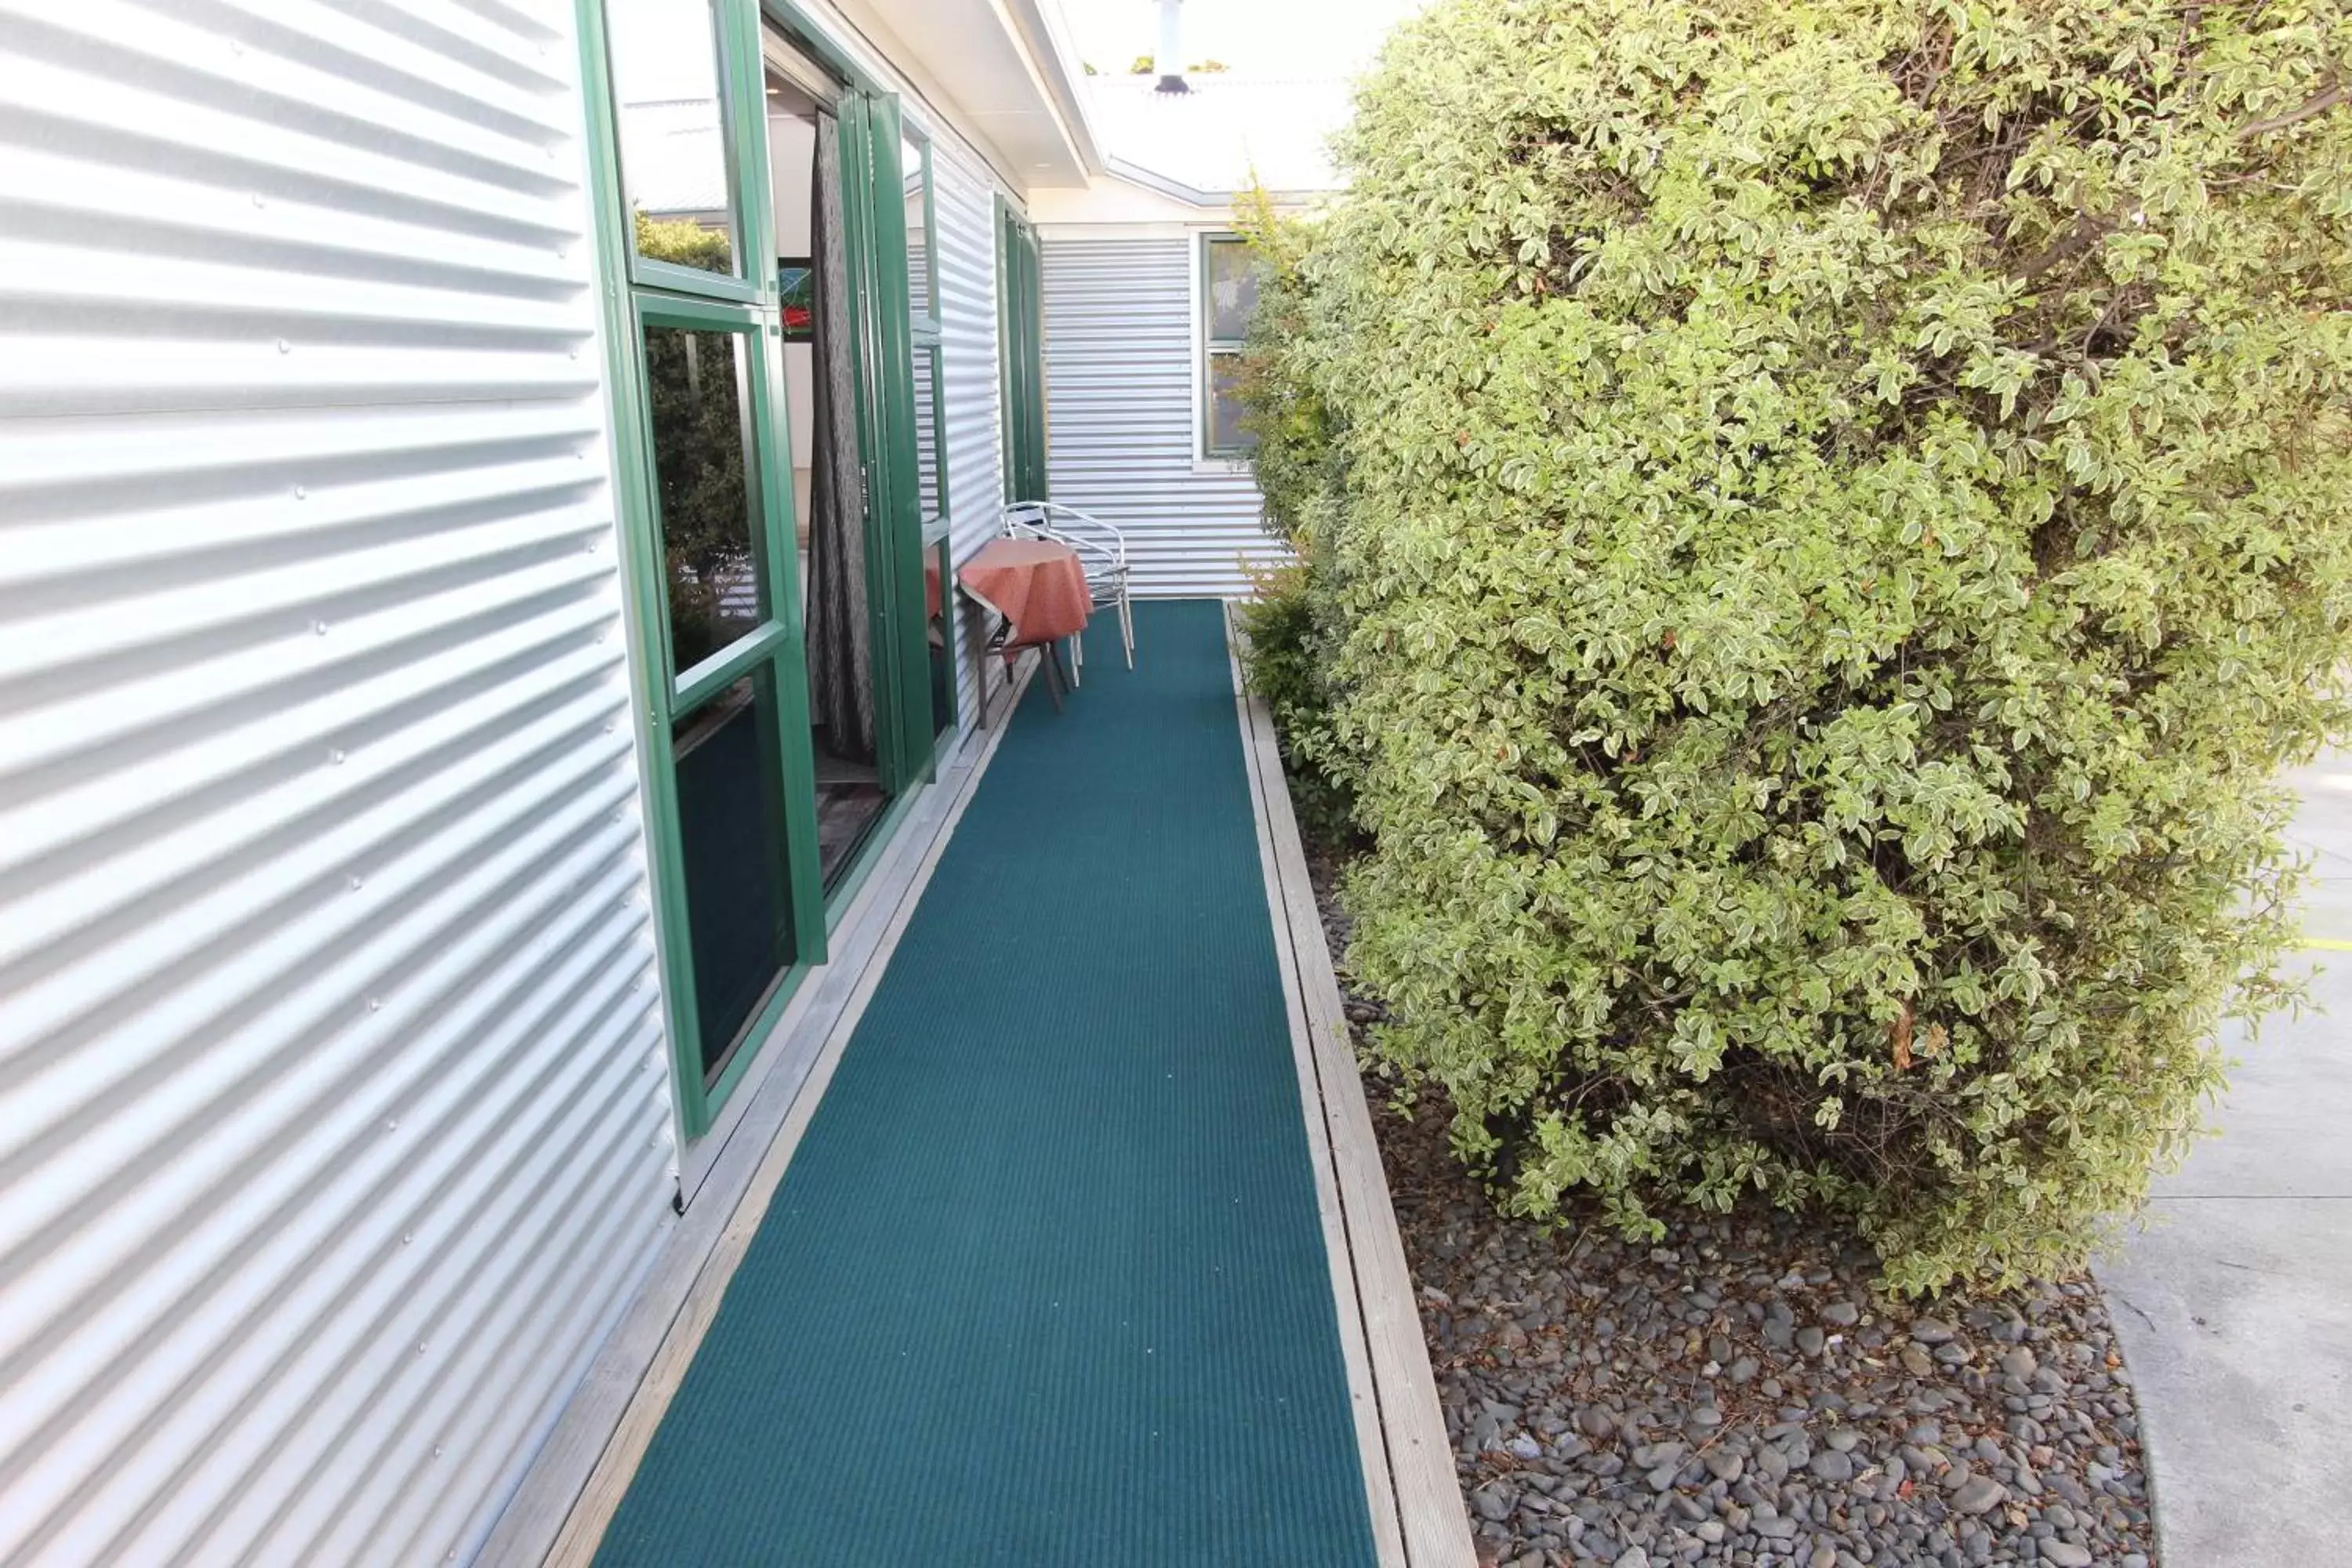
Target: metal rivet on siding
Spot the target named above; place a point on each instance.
(407, 1236)
(258, 201)
(376, 1004)
(420, 1347)
(355, 884)
(320, 627)
(301, 492)
(391, 1124)
(436, 1450)
(336, 755)
(284, 347)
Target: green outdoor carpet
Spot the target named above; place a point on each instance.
(1045, 1283)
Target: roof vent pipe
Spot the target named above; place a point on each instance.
(1171, 47)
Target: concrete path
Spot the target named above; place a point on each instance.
(2235, 1305)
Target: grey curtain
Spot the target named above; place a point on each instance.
(840, 654)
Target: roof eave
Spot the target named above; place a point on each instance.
(1135, 174)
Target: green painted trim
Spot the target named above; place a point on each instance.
(895, 459)
(929, 339)
(802, 854)
(704, 302)
(867, 856)
(695, 315)
(634, 294)
(746, 158)
(730, 665)
(633, 489)
(755, 1035)
(1209, 348)
(1020, 335)
(926, 327)
(689, 281)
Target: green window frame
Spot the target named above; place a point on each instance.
(638, 294)
(1215, 352)
(1020, 335)
(663, 295)
(743, 126)
(926, 339)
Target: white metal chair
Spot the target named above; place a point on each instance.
(1101, 550)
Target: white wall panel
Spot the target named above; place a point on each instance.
(333, 1122)
(1119, 395)
(963, 207)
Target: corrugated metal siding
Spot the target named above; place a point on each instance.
(1119, 398)
(963, 209)
(333, 1122)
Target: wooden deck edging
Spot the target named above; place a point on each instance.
(1410, 1482)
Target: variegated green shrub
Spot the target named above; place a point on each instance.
(1837, 510)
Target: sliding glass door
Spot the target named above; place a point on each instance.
(772, 489)
(1021, 329)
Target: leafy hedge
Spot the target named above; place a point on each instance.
(1831, 514)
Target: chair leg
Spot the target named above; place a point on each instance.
(1053, 674)
(1127, 627)
(1078, 659)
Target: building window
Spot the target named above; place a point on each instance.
(1228, 295)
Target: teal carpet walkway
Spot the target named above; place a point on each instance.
(1044, 1283)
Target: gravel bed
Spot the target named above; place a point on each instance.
(1741, 1395)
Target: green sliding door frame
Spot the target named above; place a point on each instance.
(1021, 329)
(634, 294)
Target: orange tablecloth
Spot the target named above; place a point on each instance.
(1034, 584)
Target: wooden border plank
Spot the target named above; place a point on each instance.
(1427, 1492)
(1363, 1389)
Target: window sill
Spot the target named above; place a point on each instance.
(1221, 467)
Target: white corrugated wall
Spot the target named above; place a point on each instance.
(964, 213)
(334, 1116)
(1119, 411)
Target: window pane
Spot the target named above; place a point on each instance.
(673, 154)
(795, 122)
(730, 809)
(696, 384)
(913, 164)
(1233, 289)
(938, 603)
(1225, 432)
(928, 477)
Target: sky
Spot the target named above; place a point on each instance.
(1258, 38)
